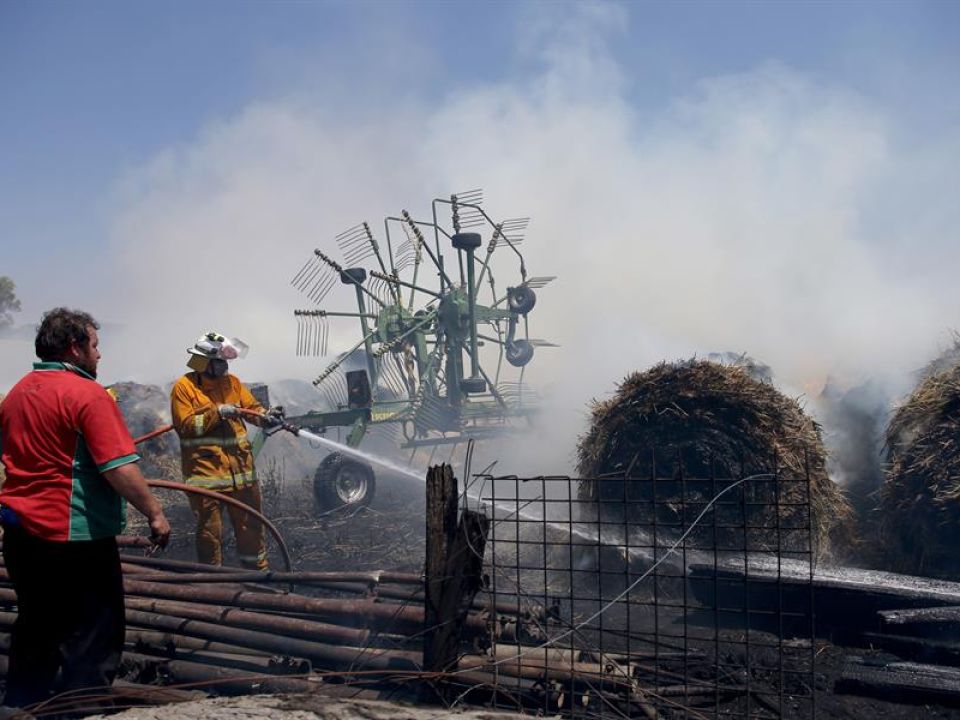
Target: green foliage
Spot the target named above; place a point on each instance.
(9, 303)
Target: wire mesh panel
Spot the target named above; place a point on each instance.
(650, 593)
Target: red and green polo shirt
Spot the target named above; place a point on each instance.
(59, 431)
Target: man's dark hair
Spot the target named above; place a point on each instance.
(59, 329)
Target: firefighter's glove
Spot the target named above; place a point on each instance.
(273, 416)
(228, 411)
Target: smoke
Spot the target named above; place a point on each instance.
(764, 212)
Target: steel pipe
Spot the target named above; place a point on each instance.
(329, 656)
(293, 627)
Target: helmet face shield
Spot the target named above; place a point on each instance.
(233, 349)
(215, 347)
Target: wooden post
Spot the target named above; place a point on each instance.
(454, 569)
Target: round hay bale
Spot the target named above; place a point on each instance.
(146, 408)
(919, 506)
(716, 420)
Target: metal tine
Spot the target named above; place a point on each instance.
(357, 243)
(473, 197)
(539, 282)
(406, 254)
(512, 230)
(340, 383)
(387, 373)
(334, 388)
(352, 236)
(303, 270)
(308, 322)
(373, 285)
(466, 217)
(540, 342)
(303, 279)
(322, 287)
(311, 277)
(398, 375)
(329, 394)
(381, 289)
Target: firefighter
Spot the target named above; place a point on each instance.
(215, 452)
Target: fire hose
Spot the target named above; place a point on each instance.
(171, 485)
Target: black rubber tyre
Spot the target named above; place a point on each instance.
(521, 299)
(519, 353)
(342, 482)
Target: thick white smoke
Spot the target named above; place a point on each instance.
(762, 212)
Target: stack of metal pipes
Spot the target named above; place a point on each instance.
(234, 631)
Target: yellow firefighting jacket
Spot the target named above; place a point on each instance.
(215, 452)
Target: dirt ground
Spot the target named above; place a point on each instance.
(298, 707)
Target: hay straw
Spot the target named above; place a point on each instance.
(718, 419)
(920, 499)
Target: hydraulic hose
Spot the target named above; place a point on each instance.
(152, 434)
(171, 485)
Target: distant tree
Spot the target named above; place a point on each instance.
(9, 303)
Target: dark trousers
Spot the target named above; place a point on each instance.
(70, 614)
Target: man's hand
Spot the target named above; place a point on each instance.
(129, 483)
(228, 411)
(160, 530)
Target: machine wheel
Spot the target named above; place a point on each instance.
(521, 299)
(519, 353)
(342, 482)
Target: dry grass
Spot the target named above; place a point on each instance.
(718, 420)
(920, 498)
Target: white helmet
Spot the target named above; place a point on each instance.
(213, 345)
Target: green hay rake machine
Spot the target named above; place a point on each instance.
(438, 339)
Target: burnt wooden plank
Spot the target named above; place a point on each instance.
(833, 602)
(900, 681)
(912, 616)
(919, 649)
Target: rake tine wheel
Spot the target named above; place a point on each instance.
(433, 347)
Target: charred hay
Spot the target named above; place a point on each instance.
(919, 504)
(704, 419)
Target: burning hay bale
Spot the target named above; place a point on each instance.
(700, 419)
(920, 498)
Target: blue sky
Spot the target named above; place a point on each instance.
(770, 177)
(93, 89)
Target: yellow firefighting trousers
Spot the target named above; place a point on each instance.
(248, 531)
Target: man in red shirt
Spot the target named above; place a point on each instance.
(71, 468)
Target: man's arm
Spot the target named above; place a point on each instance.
(129, 484)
